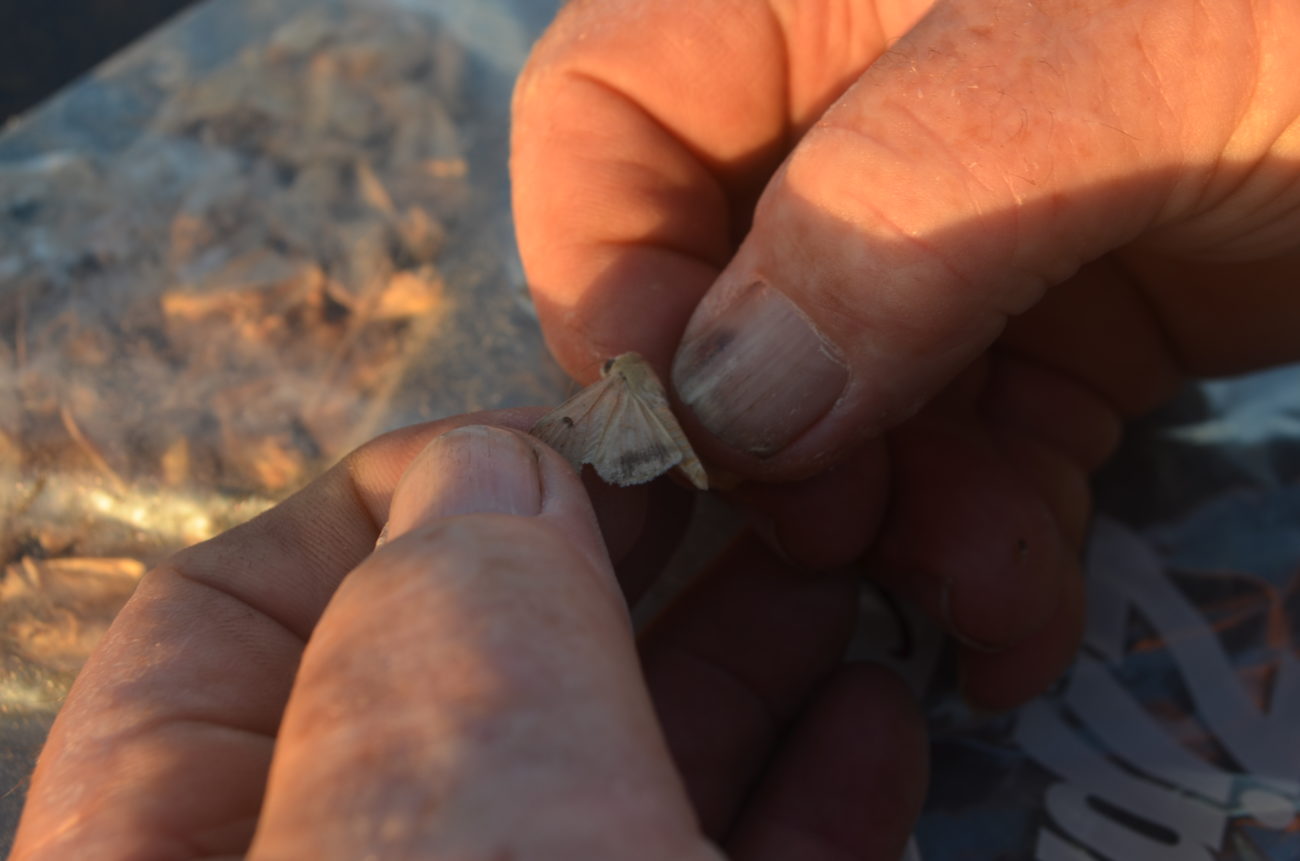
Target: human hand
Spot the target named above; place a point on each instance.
(949, 248)
(469, 689)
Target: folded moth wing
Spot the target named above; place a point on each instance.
(577, 427)
(622, 426)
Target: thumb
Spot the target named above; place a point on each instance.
(473, 689)
(985, 157)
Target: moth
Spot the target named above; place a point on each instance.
(622, 426)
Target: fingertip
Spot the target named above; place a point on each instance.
(484, 469)
(825, 521)
(753, 367)
(967, 539)
(475, 469)
(823, 330)
(1004, 680)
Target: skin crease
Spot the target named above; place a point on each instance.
(1017, 224)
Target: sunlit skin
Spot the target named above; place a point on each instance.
(472, 689)
(1015, 224)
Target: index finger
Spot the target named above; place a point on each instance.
(162, 747)
(643, 132)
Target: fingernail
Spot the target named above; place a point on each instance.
(470, 470)
(754, 370)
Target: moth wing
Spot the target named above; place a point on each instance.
(622, 426)
(635, 447)
(576, 426)
(647, 389)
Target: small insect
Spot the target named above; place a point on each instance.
(622, 426)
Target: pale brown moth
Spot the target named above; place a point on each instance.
(622, 426)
